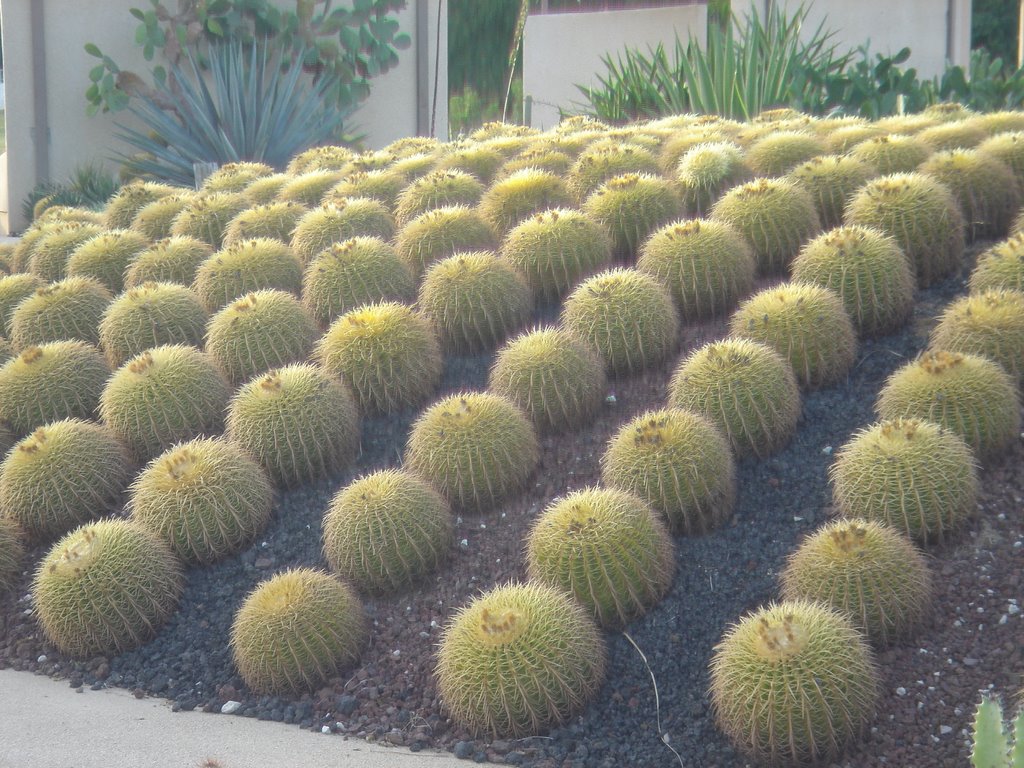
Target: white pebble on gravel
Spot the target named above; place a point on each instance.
(945, 730)
(901, 691)
(229, 707)
(41, 659)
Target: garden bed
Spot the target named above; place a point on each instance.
(929, 685)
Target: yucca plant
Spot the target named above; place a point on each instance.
(250, 103)
(769, 62)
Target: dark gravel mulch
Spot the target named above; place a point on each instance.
(930, 685)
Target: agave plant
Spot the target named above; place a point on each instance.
(250, 103)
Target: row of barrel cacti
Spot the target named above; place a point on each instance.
(554, 374)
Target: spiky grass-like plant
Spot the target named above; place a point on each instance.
(998, 267)
(706, 266)
(921, 214)
(793, 683)
(677, 461)
(596, 165)
(206, 217)
(518, 660)
(65, 473)
(387, 353)
(154, 220)
(744, 387)
(556, 249)
(970, 395)
(806, 324)
(867, 571)
(259, 331)
(50, 254)
(775, 216)
(105, 588)
(630, 207)
(207, 498)
(386, 531)
(832, 180)
(296, 630)
(246, 266)
(437, 189)
(308, 188)
(606, 548)
(271, 220)
(521, 194)
(707, 170)
(989, 324)
(172, 260)
(984, 187)
(68, 309)
(13, 290)
(164, 396)
(122, 208)
(474, 301)
(440, 233)
(552, 375)
(910, 474)
(361, 270)
(872, 276)
(627, 316)
(298, 422)
(105, 257)
(894, 153)
(338, 221)
(476, 448)
(60, 380)
(148, 316)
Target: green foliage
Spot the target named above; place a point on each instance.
(206, 498)
(343, 46)
(769, 66)
(105, 588)
(519, 659)
(89, 186)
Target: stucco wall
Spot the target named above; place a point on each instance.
(75, 139)
(563, 49)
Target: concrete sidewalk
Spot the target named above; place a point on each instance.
(46, 724)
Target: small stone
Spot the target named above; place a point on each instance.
(264, 561)
(463, 750)
(325, 729)
(230, 707)
(41, 659)
(945, 730)
(970, 662)
(901, 691)
(347, 705)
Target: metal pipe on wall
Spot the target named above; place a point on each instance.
(40, 112)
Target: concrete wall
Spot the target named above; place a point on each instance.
(561, 50)
(71, 139)
(935, 30)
